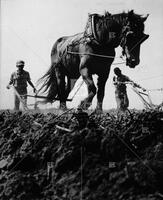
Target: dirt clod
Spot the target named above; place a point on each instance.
(102, 157)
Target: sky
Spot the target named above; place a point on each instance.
(29, 28)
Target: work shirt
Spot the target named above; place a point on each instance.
(19, 80)
(119, 82)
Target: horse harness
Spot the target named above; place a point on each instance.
(90, 32)
(90, 35)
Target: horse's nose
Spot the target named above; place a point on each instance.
(137, 62)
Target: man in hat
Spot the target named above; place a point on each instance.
(119, 82)
(19, 80)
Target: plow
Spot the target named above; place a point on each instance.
(36, 98)
(143, 94)
(145, 97)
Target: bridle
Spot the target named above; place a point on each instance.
(126, 31)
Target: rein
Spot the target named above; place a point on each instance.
(97, 55)
(104, 56)
(92, 54)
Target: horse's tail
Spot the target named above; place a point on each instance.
(48, 84)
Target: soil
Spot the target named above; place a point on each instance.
(81, 156)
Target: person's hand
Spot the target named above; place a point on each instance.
(134, 84)
(8, 86)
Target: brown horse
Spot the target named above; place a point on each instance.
(92, 52)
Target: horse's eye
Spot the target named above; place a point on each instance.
(129, 38)
(129, 35)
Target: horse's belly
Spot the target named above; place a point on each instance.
(71, 64)
(100, 65)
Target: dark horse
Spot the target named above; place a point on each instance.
(92, 52)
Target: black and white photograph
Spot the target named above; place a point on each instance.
(81, 99)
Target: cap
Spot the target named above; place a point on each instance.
(20, 63)
(117, 70)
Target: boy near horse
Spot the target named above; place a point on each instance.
(19, 81)
(121, 96)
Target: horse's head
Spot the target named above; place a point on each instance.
(132, 38)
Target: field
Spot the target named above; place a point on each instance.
(72, 156)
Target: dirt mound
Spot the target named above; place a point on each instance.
(76, 156)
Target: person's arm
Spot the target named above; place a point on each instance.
(135, 84)
(11, 82)
(114, 80)
(127, 79)
(30, 83)
(138, 86)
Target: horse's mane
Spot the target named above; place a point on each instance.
(107, 23)
(121, 18)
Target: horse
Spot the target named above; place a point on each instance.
(92, 52)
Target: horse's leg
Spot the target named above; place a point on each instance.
(60, 76)
(67, 87)
(87, 77)
(70, 85)
(101, 81)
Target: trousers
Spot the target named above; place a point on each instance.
(23, 95)
(122, 101)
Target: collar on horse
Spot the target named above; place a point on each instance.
(91, 32)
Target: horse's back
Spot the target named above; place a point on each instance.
(60, 55)
(61, 45)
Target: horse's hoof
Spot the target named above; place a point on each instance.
(63, 107)
(98, 111)
(84, 105)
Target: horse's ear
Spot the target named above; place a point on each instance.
(144, 18)
(107, 14)
(130, 13)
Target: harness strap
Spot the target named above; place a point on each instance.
(93, 29)
(138, 43)
(91, 54)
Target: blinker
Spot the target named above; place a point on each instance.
(129, 33)
(144, 37)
